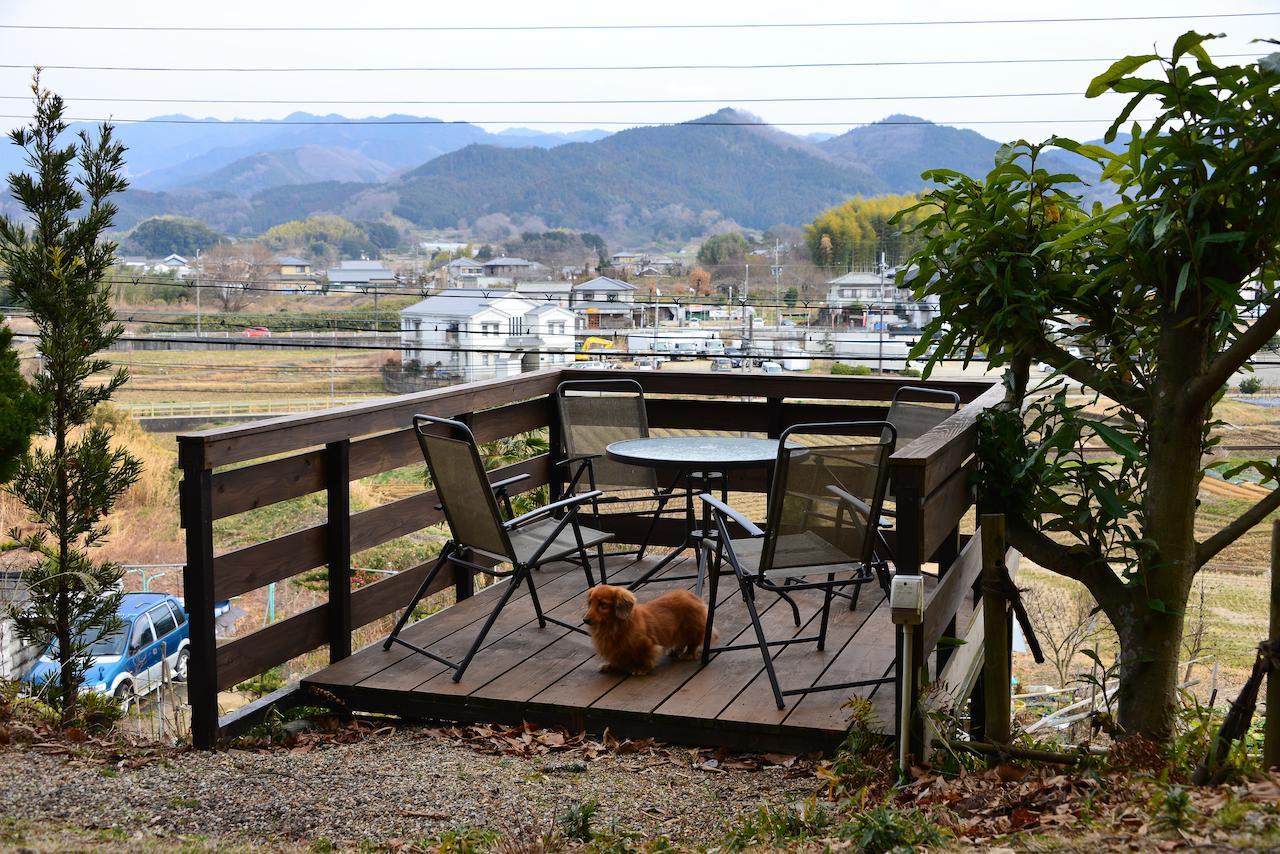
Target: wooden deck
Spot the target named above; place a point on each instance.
(551, 676)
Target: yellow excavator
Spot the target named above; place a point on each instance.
(592, 343)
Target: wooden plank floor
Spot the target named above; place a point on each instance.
(551, 676)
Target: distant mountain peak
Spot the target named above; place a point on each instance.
(729, 116)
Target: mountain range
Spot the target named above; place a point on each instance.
(667, 182)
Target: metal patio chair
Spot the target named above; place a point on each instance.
(911, 419)
(593, 415)
(479, 531)
(820, 534)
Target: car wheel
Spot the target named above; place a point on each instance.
(180, 665)
(127, 696)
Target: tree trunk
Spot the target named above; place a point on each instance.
(1149, 618)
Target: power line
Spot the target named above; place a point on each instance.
(532, 68)
(761, 25)
(526, 102)
(589, 123)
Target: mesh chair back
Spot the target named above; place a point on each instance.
(462, 486)
(913, 418)
(828, 487)
(597, 413)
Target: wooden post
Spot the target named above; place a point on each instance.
(995, 617)
(773, 407)
(1271, 726)
(907, 561)
(196, 511)
(337, 475)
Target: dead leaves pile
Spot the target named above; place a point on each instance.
(1009, 799)
(530, 741)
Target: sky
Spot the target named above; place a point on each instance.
(897, 88)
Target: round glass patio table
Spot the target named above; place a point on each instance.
(697, 459)
(715, 453)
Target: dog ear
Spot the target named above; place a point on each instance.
(625, 601)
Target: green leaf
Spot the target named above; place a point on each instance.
(1120, 68)
(1190, 42)
(1116, 441)
(1182, 282)
(1270, 62)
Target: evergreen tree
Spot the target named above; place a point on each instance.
(19, 408)
(57, 259)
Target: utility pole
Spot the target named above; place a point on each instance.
(199, 270)
(777, 283)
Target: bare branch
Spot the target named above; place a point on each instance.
(1230, 360)
(1207, 550)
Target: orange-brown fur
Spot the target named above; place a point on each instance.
(630, 635)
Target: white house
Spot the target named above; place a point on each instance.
(873, 296)
(604, 303)
(474, 335)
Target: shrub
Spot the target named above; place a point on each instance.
(1250, 385)
(575, 823)
(841, 369)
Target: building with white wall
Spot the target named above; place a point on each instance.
(472, 334)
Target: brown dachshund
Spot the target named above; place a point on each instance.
(630, 636)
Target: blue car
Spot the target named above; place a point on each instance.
(127, 663)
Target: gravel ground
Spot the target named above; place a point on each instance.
(404, 786)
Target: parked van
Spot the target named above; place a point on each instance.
(722, 364)
(129, 663)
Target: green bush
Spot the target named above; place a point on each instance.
(841, 369)
(887, 828)
(262, 684)
(1250, 385)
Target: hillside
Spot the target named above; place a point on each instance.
(898, 152)
(666, 180)
(658, 183)
(308, 164)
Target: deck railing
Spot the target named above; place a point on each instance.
(236, 469)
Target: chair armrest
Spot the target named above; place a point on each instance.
(852, 500)
(725, 510)
(579, 458)
(549, 508)
(503, 484)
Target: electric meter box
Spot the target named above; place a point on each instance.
(906, 599)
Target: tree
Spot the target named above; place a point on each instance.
(858, 229)
(165, 235)
(231, 272)
(56, 263)
(720, 249)
(20, 414)
(1156, 290)
(700, 281)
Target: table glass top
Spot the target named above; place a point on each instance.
(696, 449)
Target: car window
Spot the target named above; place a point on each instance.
(163, 619)
(143, 636)
(179, 613)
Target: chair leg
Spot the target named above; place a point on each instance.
(537, 605)
(760, 639)
(488, 624)
(853, 599)
(826, 611)
(445, 553)
(711, 609)
(795, 609)
(604, 571)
